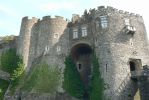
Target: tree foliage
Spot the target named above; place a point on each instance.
(17, 75)
(9, 60)
(8, 39)
(3, 87)
(12, 63)
(97, 83)
(72, 81)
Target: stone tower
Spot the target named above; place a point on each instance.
(25, 37)
(119, 39)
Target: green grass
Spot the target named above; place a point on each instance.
(43, 79)
(3, 87)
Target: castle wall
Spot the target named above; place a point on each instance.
(51, 39)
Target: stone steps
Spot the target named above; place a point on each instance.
(125, 90)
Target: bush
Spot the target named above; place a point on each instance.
(3, 87)
(17, 75)
(9, 60)
(97, 84)
(43, 78)
(8, 39)
(72, 81)
(12, 63)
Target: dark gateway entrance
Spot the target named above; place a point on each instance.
(81, 54)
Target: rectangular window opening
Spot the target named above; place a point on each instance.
(104, 22)
(75, 34)
(84, 31)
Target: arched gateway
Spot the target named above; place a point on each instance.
(81, 54)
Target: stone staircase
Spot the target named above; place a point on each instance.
(126, 90)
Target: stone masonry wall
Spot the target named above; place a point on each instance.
(115, 47)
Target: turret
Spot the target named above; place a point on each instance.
(24, 37)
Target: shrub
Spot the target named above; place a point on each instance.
(12, 63)
(8, 39)
(3, 87)
(17, 75)
(72, 81)
(9, 60)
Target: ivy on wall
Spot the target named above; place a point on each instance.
(9, 60)
(3, 87)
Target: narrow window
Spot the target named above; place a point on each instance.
(84, 31)
(58, 49)
(46, 48)
(132, 66)
(79, 66)
(75, 34)
(96, 41)
(104, 22)
(106, 67)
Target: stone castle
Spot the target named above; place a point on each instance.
(119, 39)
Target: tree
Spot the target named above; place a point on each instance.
(72, 81)
(97, 84)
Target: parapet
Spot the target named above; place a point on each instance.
(25, 18)
(110, 9)
(59, 17)
(33, 19)
(101, 7)
(50, 18)
(46, 17)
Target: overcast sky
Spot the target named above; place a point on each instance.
(12, 11)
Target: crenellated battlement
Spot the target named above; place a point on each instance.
(99, 11)
(46, 18)
(114, 10)
(52, 18)
(33, 19)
